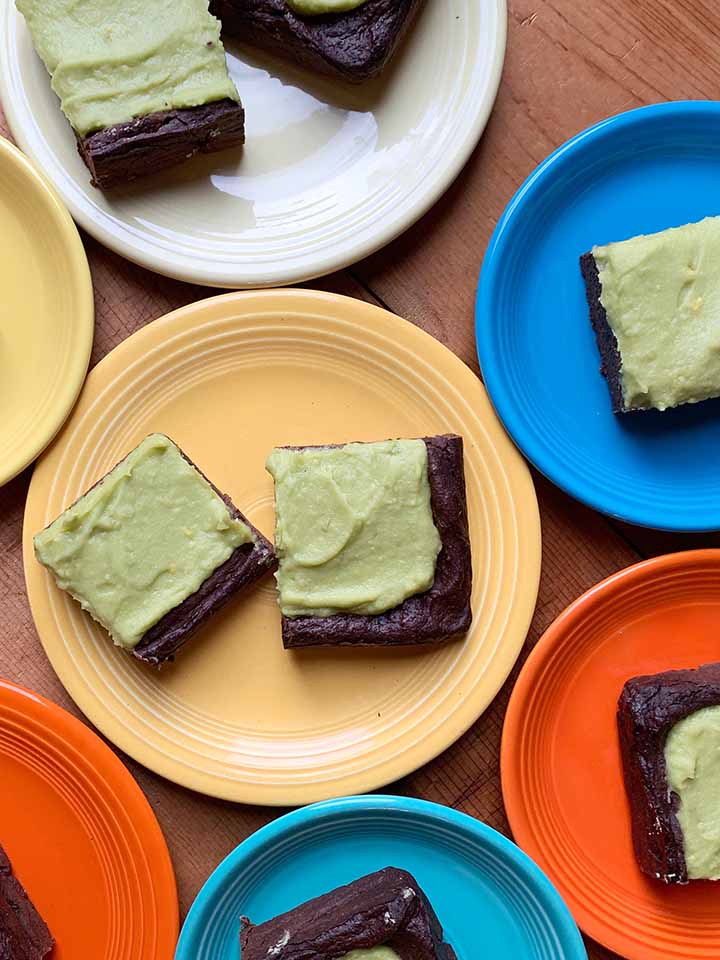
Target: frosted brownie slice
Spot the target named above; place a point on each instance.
(382, 916)
(670, 740)
(373, 543)
(23, 932)
(350, 44)
(144, 83)
(655, 308)
(153, 550)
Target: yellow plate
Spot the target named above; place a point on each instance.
(237, 716)
(46, 316)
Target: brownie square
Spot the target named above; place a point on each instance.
(247, 563)
(654, 306)
(648, 709)
(133, 111)
(355, 45)
(443, 611)
(386, 908)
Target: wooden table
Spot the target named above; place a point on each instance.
(569, 64)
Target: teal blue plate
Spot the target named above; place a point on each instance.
(490, 897)
(639, 172)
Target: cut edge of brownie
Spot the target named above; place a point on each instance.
(384, 908)
(246, 564)
(439, 614)
(151, 143)
(648, 708)
(23, 932)
(354, 45)
(611, 360)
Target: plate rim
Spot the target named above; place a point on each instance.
(513, 734)
(327, 264)
(84, 323)
(296, 794)
(74, 731)
(500, 396)
(277, 831)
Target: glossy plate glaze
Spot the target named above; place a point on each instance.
(636, 173)
(47, 313)
(237, 716)
(330, 171)
(81, 836)
(561, 769)
(480, 885)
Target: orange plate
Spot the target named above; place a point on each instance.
(561, 771)
(81, 836)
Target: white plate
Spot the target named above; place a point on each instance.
(329, 174)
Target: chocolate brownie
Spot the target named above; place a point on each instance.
(354, 46)
(246, 564)
(649, 707)
(387, 908)
(143, 83)
(23, 932)
(443, 611)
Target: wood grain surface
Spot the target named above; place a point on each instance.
(570, 63)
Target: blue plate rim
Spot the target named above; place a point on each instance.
(277, 830)
(500, 397)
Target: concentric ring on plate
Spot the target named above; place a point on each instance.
(81, 836)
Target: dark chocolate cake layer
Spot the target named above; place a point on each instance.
(149, 144)
(355, 45)
(611, 361)
(248, 563)
(23, 932)
(649, 707)
(438, 614)
(387, 908)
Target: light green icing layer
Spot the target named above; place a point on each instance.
(141, 541)
(692, 757)
(354, 527)
(312, 8)
(372, 953)
(661, 294)
(113, 60)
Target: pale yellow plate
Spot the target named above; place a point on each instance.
(237, 716)
(46, 312)
(329, 173)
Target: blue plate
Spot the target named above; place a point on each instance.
(484, 889)
(639, 172)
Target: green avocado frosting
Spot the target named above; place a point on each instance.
(113, 60)
(141, 541)
(661, 294)
(354, 527)
(692, 758)
(371, 953)
(312, 8)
